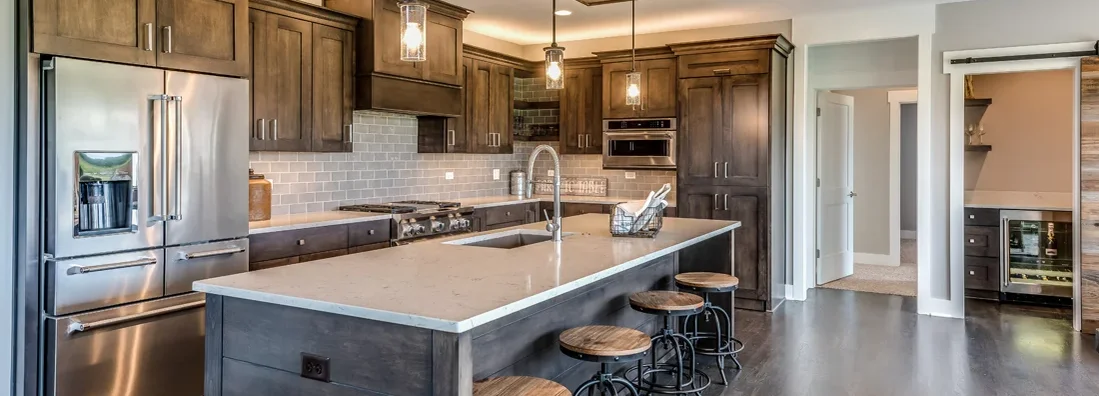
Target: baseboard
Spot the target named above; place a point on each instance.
(874, 259)
(906, 234)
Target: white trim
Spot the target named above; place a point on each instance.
(876, 259)
(908, 234)
(896, 99)
(955, 301)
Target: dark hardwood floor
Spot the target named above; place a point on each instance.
(852, 343)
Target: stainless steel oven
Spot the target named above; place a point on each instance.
(639, 143)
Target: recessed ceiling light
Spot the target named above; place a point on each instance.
(563, 12)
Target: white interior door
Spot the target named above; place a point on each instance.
(835, 140)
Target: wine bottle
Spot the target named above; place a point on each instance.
(1051, 241)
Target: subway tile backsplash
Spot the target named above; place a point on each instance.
(384, 167)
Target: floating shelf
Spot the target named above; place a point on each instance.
(978, 102)
(524, 105)
(980, 148)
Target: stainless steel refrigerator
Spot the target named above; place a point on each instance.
(146, 192)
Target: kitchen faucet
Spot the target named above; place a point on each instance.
(553, 225)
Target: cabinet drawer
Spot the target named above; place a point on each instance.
(322, 255)
(982, 273)
(724, 63)
(370, 232)
(982, 241)
(284, 244)
(576, 209)
(507, 214)
(503, 225)
(982, 217)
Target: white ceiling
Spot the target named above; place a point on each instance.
(528, 21)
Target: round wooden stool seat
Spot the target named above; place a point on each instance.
(604, 341)
(707, 282)
(666, 302)
(519, 386)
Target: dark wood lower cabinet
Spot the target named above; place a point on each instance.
(982, 253)
(276, 249)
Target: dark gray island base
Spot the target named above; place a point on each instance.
(257, 348)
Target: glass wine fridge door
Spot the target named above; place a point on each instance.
(1037, 253)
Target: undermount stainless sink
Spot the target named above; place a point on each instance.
(506, 240)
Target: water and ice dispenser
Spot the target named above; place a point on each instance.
(106, 193)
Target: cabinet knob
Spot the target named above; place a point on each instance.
(370, 232)
(972, 241)
(301, 242)
(972, 273)
(971, 217)
(508, 214)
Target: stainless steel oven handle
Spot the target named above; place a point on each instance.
(76, 326)
(84, 269)
(1005, 248)
(211, 253)
(177, 212)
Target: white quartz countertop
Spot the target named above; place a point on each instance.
(308, 220)
(1019, 200)
(455, 288)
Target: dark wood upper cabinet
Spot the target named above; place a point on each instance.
(208, 36)
(203, 35)
(121, 31)
(384, 82)
(333, 99)
(658, 83)
(303, 60)
(581, 114)
(733, 124)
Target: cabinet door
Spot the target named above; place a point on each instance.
(477, 114)
(261, 83)
(290, 68)
(745, 149)
(459, 138)
(207, 36)
(501, 104)
(658, 88)
(593, 144)
(748, 205)
(700, 202)
(117, 31)
(332, 98)
(387, 42)
(581, 112)
(614, 91)
(444, 49)
(701, 130)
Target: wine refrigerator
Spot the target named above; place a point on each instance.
(1037, 256)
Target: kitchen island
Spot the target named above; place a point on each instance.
(430, 318)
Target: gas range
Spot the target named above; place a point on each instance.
(421, 220)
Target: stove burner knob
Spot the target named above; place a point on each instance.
(438, 226)
(418, 229)
(407, 230)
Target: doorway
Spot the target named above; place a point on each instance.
(861, 147)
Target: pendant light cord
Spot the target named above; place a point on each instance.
(554, 44)
(633, 35)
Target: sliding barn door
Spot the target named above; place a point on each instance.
(1089, 194)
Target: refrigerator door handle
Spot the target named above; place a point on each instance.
(178, 163)
(161, 216)
(84, 269)
(1005, 248)
(212, 253)
(76, 326)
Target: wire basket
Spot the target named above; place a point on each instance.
(645, 225)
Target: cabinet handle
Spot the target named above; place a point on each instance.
(148, 36)
(301, 242)
(167, 39)
(726, 170)
(275, 126)
(580, 141)
(370, 232)
(450, 137)
(507, 214)
(972, 241)
(726, 201)
(716, 208)
(723, 71)
(715, 169)
(262, 129)
(971, 217)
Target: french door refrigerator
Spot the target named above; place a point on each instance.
(146, 192)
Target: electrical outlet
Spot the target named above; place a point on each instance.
(549, 173)
(450, 175)
(631, 175)
(495, 174)
(314, 367)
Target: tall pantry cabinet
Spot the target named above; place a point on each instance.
(733, 126)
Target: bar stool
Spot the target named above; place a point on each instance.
(684, 378)
(519, 386)
(717, 343)
(605, 345)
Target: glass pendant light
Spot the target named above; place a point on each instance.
(555, 59)
(633, 79)
(413, 31)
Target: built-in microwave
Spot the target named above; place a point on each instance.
(639, 143)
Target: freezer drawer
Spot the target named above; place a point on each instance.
(149, 348)
(187, 264)
(88, 283)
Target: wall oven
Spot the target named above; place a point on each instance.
(639, 143)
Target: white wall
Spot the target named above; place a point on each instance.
(882, 63)
(909, 188)
(871, 173)
(7, 193)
